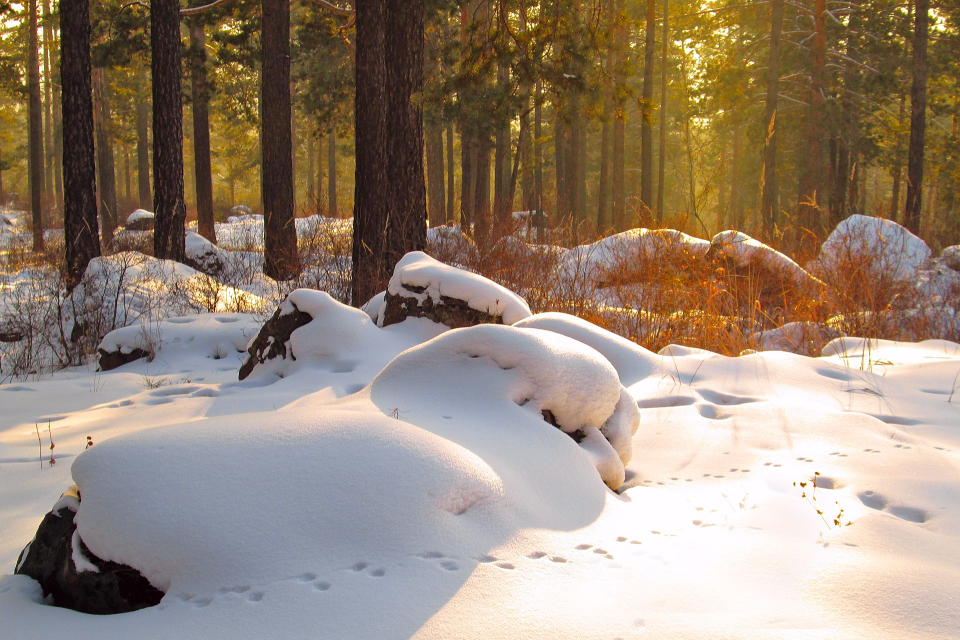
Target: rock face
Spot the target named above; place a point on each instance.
(74, 577)
(422, 287)
(449, 311)
(273, 337)
(112, 359)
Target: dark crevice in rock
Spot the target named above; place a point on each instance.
(48, 559)
(452, 312)
(551, 419)
(278, 327)
(112, 359)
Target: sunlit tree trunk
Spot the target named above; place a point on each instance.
(661, 168)
(35, 131)
(450, 217)
(201, 132)
(332, 208)
(918, 118)
(105, 160)
(48, 155)
(436, 200)
(143, 145)
(769, 207)
(646, 110)
(811, 175)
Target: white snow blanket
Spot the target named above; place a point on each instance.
(139, 214)
(433, 502)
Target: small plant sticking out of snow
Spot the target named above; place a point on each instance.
(812, 485)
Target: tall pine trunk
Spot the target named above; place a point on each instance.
(79, 171)
(436, 201)
(662, 152)
(200, 93)
(105, 160)
(450, 178)
(769, 208)
(918, 118)
(811, 175)
(48, 155)
(280, 258)
(143, 145)
(169, 209)
(646, 111)
(332, 207)
(35, 136)
(57, 115)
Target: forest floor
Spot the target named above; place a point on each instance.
(384, 485)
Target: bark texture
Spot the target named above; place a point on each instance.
(918, 118)
(79, 172)
(168, 206)
(35, 138)
(281, 260)
(105, 160)
(201, 132)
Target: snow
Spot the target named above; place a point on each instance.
(435, 279)
(139, 214)
(883, 245)
(743, 251)
(388, 484)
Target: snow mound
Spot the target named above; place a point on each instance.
(139, 214)
(212, 335)
(745, 252)
(632, 362)
(331, 337)
(419, 277)
(881, 245)
(599, 259)
(951, 257)
(567, 383)
(263, 497)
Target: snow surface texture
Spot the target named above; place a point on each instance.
(433, 506)
(883, 244)
(139, 214)
(433, 279)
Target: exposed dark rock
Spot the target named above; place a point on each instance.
(49, 559)
(112, 359)
(452, 312)
(271, 342)
(10, 335)
(140, 224)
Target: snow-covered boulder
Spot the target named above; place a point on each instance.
(74, 577)
(950, 257)
(203, 255)
(140, 220)
(603, 263)
(554, 379)
(208, 335)
(422, 287)
(312, 330)
(744, 255)
(882, 247)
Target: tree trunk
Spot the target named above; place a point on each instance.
(436, 202)
(169, 209)
(481, 187)
(918, 118)
(281, 261)
(105, 161)
(311, 175)
(370, 209)
(468, 155)
(79, 172)
(603, 183)
(450, 178)
(811, 177)
(559, 161)
(662, 152)
(57, 120)
(143, 145)
(332, 209)
(35, 154)
(646, 111)
(769, 208)
(541, 219)
(126, 176)
(736, 211)
(49, 158)
(200, 92)
(501, 162)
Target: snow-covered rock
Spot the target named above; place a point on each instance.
(879, 246)
(951, 257)
(804, 338)
(73, 577)
(422, 287)
(747, 254)
(140, 220)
